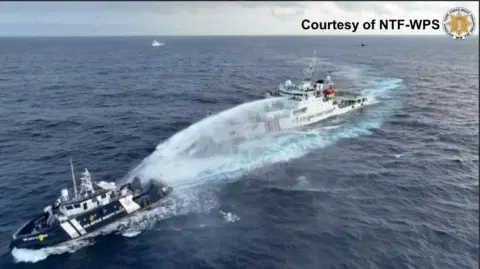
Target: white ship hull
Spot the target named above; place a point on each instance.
(314, 111)
(156, 44)
(293, 115)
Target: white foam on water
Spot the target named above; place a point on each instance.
(173, 161)
(229, 216)
(131, 233)
(185, 160)
(179, 204)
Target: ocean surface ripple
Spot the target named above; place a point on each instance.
(392, 186)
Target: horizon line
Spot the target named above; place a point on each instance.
(239, 35)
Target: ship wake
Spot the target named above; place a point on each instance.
(214, 151)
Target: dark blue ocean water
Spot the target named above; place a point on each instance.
(392, 186)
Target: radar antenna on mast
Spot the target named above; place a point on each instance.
(308, 73)
(86, 186)
(329, 80)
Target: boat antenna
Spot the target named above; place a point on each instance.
(73, 178)
(308, 74)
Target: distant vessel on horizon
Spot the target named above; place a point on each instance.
(155, 43)
(363, 44)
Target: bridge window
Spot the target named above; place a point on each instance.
(69, 207)
(104, 196)
(76, 205)
(85, 206)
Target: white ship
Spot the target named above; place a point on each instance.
(155, 43)
(285, 114)
(311, 106)
(290, 107)
(306, 103)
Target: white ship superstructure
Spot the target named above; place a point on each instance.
(307, 102)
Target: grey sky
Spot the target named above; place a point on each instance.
(206, 18)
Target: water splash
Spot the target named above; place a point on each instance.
(191, 201)
(177, 160)
(229, 216)
(223, 159)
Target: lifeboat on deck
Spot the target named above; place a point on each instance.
(329, 92)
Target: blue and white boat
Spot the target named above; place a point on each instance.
(93, 206)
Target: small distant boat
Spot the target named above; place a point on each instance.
(155, 43)
(363, 44)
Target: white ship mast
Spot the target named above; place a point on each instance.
(73, 178)
(308, 73)
(86, 186)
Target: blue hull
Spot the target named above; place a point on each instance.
(84, 224)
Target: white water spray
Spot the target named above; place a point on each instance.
(206, 152)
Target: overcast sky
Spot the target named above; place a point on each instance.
(207, 18)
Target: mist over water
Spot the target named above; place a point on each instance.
(398, 175)
(220, 148)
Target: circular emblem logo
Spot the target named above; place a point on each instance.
(41, 237)
(459, 23)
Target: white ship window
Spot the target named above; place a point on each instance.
(76, 205)
(85, 207)
(68, 207)
(104, 196)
